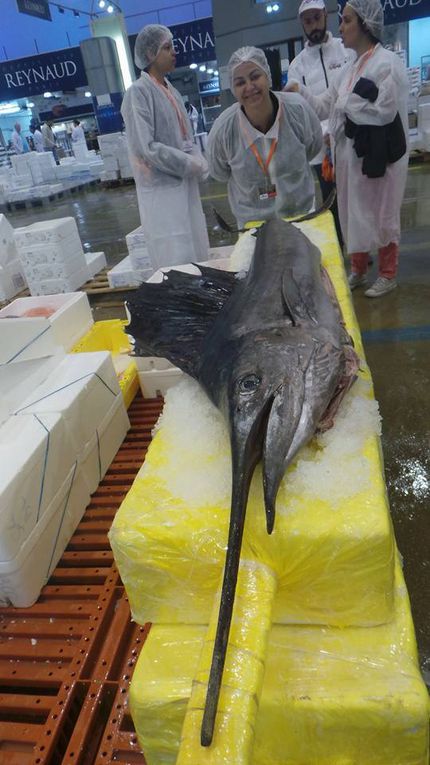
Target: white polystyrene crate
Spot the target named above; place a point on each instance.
(136, 238)
(12, 279)
(82, 390)
(124, 275)
(46, 231)
(66, 284)
(22, 577)
(25, 339)
(8, 250)
(140, 259)
(40, 253)
(156, 382)
(100, 451)
(36, 272)
(18, 380)
(96, 262)
(36, 455)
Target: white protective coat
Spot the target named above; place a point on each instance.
(230, 159)
(38, 141)
(316, 66)
(166, 175)
(78, 135)
(17, 142)
(369, 208)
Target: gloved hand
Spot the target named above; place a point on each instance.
(200, 167)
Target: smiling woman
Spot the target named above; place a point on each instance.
(262, 145)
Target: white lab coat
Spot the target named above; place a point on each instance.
(38, 141)
(167, 167)
(369, 208)
(298, 132)
(316, 67)
(17, 142)
(78, 135)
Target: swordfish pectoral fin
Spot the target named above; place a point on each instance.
(282, 425)
(298, 297)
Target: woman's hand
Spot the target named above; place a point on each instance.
(292, 87)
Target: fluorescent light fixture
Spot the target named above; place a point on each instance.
(10, 108)
(193, 66)
(47, 94)
(87, 94)
(202, 68)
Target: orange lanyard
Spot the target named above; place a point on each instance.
(171, 98)
(364, 59)
(273, 146)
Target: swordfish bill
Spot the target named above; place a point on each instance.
(272, 353)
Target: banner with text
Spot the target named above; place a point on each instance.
(33, 75)
(193, 42)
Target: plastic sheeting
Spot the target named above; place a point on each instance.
(330, 696)
(332, 548)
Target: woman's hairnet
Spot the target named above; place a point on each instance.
(371, 13)
(148, 44)
(248, 53)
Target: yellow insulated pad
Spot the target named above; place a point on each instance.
(332, 548)
(330, 696)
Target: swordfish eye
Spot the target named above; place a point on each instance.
(249, 384)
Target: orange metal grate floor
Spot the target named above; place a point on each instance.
(66, 662)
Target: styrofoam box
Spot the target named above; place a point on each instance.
(96, 261)
(22, 577)
(46, 231)
(82, 390)
(55, 270)
(20, 379)
(70, 320)
(25, 339)
(8, 249)
(157, 382)
(136, 238)
(140, 259)
(51, 252)
(124, 275)
(36, 455)
(12, 279)
(100, 451)
(55, 286)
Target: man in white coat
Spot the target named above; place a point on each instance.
(17, 139)
(316, 66)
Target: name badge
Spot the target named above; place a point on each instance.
(268, 192)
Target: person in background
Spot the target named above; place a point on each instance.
(368, 125)
(78, 135)
(193, 115)
(166, 163)
(37, 138)
(262, 145)
(17, 140)
(49, 140)
(316, 66)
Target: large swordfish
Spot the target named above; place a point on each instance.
(272, 353)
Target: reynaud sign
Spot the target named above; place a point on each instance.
(31, 76)
(193, 42)
(396, 11)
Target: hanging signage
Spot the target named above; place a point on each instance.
(38, 8)
(396, 11)
(31, 76)
(193, 42)
(209, 86)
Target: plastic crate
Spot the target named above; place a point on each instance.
(110, 336)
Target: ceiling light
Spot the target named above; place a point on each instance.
(87, 94)
(216, 72)
(102, 3)
(210, 71)
(202, 68)
(193, 66)
(110, 9)
(30, 105)
(47, 94)
(275, 7)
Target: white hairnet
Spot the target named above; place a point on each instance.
(148, 44)
(371, 13)
(249, 53)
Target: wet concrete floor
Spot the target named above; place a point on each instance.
(396, 333)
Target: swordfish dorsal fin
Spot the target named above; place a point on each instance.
(171, 319)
